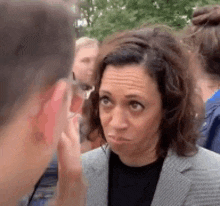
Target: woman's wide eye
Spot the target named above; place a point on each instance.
(136, 106)
(105, 101)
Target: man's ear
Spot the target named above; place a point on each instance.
(51, 107)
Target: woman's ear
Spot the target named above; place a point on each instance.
(51, 107)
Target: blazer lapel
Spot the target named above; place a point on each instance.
(172, 186)
(98, 177)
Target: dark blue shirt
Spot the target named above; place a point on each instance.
(211, 127)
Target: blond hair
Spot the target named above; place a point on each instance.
(85, 42)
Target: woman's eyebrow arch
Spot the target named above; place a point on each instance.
(105, 92)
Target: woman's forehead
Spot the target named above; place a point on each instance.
(133, 78)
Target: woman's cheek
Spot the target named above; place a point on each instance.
(103, 118)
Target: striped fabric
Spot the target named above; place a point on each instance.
(184, 181)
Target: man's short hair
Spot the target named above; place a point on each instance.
(36, 50)
(85, 42)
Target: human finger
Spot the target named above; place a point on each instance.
(71, 186)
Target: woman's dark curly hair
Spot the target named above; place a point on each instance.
(163, 58)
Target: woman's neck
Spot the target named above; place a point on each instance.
(139, 161)
(208, 88)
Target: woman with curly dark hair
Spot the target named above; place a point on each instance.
(146, 109)
(204, 38)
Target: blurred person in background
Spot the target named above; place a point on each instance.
(84, 72)
(85, 55)
(203, 36)
(36, 51)
(145, 107)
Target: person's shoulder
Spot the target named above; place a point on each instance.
(93, 154)
(94, 157)
(205, 169)
(204, 175)
(206, 159)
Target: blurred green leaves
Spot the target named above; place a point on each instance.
(104, 17)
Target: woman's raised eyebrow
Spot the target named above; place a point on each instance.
(104, 92)
(137, 96)
(132, 96)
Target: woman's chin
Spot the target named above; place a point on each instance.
(119, 147)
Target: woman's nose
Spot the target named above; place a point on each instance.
(119, 119)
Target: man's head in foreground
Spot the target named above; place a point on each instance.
(36, 51)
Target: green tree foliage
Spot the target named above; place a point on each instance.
(105, 17)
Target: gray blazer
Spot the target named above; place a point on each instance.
(188, 181)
